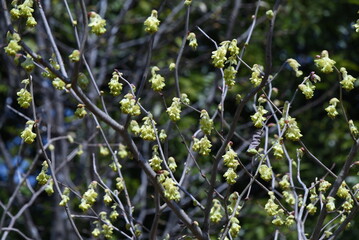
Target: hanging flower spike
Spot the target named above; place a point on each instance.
(271, 207)
(353, 129)
(278, 150)
(324, 185)
(155, 161)
(171, 190)
(219, 56)
(147, 132)
(13, 47)
(229, 74)
(230, 158)
(331, 109)
(330, 205)
(129, 105)
(258, 118)
(348, 80)
(158, 82)
(324, 63)
(307, 89)
(206, 123)
(230, 176)
(295, 66)
(24, 98)
(28, 64)
(65, 196)
(192, 40)
(265, 172)
(89, 197)
(202, 146)
(235, 227)
(43, 177)
(284, 183)
(27, 135)
(174, 111)
(97, 24)
(135, 127)
(187, 2)
(256, 77)
(114, 85)
(356, 26)
(152, 23)
(172, 164)
(292, 132)
(215, 214)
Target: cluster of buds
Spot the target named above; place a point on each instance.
(97, 24)
(202, 146)
(80, 111)
(75, 56)
(24, 10)
(114, 85)
(152, 23)
(158, 82)
(331, 109)
(174, 111)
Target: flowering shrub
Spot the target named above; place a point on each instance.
(143, 123)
